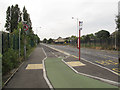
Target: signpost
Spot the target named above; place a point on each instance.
(80, 28)
(26, 29)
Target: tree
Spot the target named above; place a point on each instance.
(103, 37)
(7, 25)
(45, 40)
(50, 40)
(103, 34)
(73, 39)
(25, 14)
(13, 17)
(118, 22)
(26, 17)
(118, 27)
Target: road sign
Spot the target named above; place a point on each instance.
(80, 28)
(26, 27)
(80, 25)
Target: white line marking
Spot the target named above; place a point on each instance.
(98, 78)
(66, 57)
(105, 80)
(83, 59)
(70, 67)
(44, 72)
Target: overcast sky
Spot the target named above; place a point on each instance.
(55, 16)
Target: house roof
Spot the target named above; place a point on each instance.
(60, 40)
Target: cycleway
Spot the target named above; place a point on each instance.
(46, 61)
(62, 76)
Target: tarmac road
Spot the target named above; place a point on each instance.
(105, 58)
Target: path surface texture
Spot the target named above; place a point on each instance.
(30, 74)
(50, 68)
(62, 76)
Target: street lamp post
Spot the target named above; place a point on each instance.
(80, 28)
(77, 21)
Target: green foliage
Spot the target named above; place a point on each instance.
(44, 40)
(13, 17)
(9, 60)
(11, 40)
(73, 40)
(118, 22)
(100, 40)
(8, 19)
(103, 34)
(118, 33)
(50, 40)
(26, 17)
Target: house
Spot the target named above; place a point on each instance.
(59, 40)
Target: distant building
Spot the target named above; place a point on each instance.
(59, 40)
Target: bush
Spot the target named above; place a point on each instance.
(9, 60)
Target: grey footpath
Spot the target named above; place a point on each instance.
(29, 78)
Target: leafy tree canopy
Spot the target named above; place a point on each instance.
(103, 34)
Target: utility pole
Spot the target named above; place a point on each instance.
(80, 28)
(76, 23)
